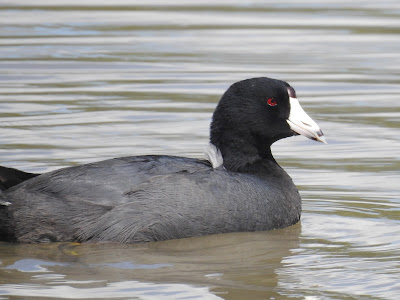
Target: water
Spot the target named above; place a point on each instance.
(82, 81)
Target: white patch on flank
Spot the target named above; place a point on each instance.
(213, 155)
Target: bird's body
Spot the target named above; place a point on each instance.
(152, 203)
(151, 198)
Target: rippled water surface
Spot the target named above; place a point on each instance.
(82, 81)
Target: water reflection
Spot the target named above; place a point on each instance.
(122, 289)
(244, 261)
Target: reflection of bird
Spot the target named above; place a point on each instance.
(150, 198)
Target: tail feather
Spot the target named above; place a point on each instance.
(4, 203)
(10, 177)
(6, 227)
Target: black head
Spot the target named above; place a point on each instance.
(251, 115)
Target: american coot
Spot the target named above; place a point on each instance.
(151, 198)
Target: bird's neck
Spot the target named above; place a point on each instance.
(241, 156)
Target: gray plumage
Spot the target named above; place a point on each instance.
(152, 198)
(152, 202)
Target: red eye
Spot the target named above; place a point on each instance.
(271, 102)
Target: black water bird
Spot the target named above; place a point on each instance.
(151, 198)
